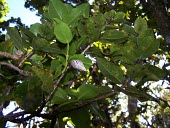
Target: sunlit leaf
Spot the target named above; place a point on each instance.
(57, 9)
(75, 13)
(63, 33)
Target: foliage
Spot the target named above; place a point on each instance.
(119, 57)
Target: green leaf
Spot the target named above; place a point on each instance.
(80, 118)
(128, 29)
(56, 67)
(110, 14)
(104, 89)
(75, 45)
(41, 44)
(68, 7)
(100, 21)
(136, 72)
(27, 32)
(63, 32)
(46, 31)
(114, 35)
(45, 76)
(29, 94)
(91, 30)
(87, 91)
(134, 92)
(35, 28)
(60, 96)
(119, 17)
(7, 46)
(75, 13)
(154, 74)
(86, 61)
(57, 9)
(110, 70)
(140, 25)
(147, 46)
(15, 37)
(36, 59)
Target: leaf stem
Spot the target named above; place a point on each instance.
(67, 55)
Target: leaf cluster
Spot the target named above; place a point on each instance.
(110, 49)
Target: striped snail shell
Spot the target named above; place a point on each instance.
(77, 64)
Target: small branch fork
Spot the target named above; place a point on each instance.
(63, 74)
(13, 117)
(21, 72)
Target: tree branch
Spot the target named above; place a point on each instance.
(25, 58)
(89, 102)
(13, 117)
(8, 55)
(21, 72)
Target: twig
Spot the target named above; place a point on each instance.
(56, 84)
(13, 117)
(87, 48)
(21, 72)
(25, 58)
(62, 75)
(89, 101)
(8, 55)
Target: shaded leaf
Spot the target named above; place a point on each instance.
(140, 25)
(113, 35)
(27, 32)
(41, 44)
(60, 96)
(15, 37)
(56, 67)
(80, 118)
(7, 46)
(35, 28)
(110, 70)
(134, 92)
(91, 30)
(147, 46)
(159, 73)
(119, 17)
(75, 45)
(128, 29)
(87, 91)
(45, 76)
(29, 94)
